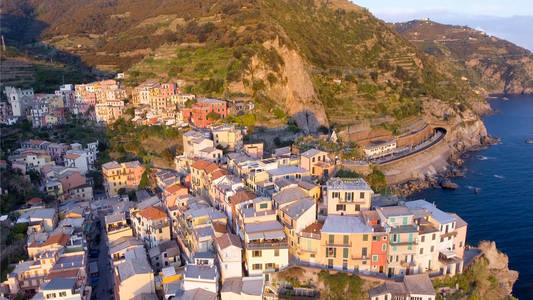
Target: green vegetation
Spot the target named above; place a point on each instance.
(477, 282)
(145, 143)
(341, 285)
(344, 173)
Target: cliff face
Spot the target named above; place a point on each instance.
(490, 64)
(499, 265)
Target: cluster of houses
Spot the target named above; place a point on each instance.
(62, 167)
(154, 103)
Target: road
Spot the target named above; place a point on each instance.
(105, 282)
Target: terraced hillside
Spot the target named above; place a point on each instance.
(489, 63)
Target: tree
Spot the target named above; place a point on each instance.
(213, 116)
(145, 179)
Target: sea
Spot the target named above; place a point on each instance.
(502, 210)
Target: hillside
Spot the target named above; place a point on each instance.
(489, 63)
(320, 62)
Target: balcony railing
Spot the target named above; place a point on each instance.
(267, 245)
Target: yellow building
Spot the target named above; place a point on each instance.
(227, 136)
(266, 248)
(125, 175)
(345, 244)
(308, 244)
(348, 196)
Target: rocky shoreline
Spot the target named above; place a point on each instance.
(444, 179)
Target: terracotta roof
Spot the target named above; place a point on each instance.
(71, 273)
(227, 240)
(35, 200)
(242, 196)
(219, 173)
(211, 167)
(153, 213)
(313, 228)
(200, 164)
(72, 156)
(60, 239)
(174, 188)
(220, 227)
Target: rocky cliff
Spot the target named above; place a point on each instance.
(490, 64)
(499, 265)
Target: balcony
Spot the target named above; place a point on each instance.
(403, 243)
(310, 235)
(339, 245)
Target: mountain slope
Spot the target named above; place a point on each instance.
(320, 62)
(493, 64)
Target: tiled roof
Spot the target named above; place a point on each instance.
(241, 196)
(35, 200)
(219, 173)
(200, 164)
(111, 165)
(72, 156)
(316, 227)
(60, 239)
(311, 152)
(153, 213)
(345, 224)
(227, 240)
(174, 188)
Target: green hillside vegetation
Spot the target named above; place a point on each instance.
(359, 67)
(488, 62)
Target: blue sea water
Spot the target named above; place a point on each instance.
(502, 211)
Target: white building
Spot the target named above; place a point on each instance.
(19, 99)
(229, 250)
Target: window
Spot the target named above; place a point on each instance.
(331, 252)
(432, 248)
(433, 237)
(345, 252)
(383, 247)
(348, 197)
(422, 239)
(256, 253)
(62, 294)
(393, 220)
(461, 244)
(335, 195)
(394, 248)
(330, 263)
(409, 247)
(263, 205)
(257, 267)
(374, 258)
(160, 230)
(345, 264)
(276, 252)
(331, 239)
(362, 195)
(365, 237)
(341, 207)
(269, 266)
(346, 240)
(364, 252)
(357, 207)
(421, 250)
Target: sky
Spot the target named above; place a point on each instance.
(508, 19)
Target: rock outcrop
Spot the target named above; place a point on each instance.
(499, 265)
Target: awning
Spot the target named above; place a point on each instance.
(273, 235)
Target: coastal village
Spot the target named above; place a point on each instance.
(225, 221)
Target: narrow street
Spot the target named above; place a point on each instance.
(104, 288)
